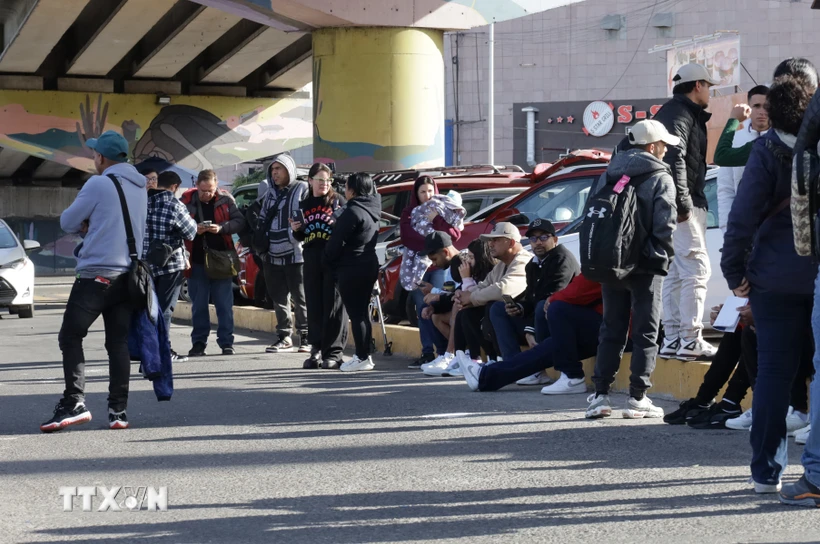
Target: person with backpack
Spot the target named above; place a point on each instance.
(626, 245)
(101, 284)
(778, 282)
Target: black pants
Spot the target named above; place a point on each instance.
(168, 287)
(89, 298)
(638, 297)
(327, 319)
(356, 287)
(471, 330)
(729, 358)
(283, 282)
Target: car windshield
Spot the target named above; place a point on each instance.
(245, 196)
(560, 202)
(7, 239)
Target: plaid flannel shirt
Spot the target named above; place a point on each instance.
(168, 221)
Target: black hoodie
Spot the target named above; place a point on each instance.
(355, 235)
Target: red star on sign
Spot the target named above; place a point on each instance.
(549, 120)
(570, 119)
(560, 120)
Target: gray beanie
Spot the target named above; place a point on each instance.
(289, 164)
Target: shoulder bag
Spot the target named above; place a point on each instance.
(140, 284)
(220, 264)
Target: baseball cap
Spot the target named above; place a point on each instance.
(110, 145)
(542, 225)
(649, 132)
(694, 72)
(436, 241)
(503, 230)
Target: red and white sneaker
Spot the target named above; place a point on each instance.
(117, 420)
(65, 416)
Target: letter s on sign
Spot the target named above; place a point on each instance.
(625, 114)
(654, 109)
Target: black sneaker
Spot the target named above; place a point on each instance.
(177, 358)
(314, 361)
(331, 364)
(228, 351)
(688, 408)
(304, 344)
(284, 345)
(198, 350)
(801, 493)
(425, 358)
(65, 416)
(715, 417)
(117, 420)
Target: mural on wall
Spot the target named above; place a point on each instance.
(195, 132)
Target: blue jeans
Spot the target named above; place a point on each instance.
(168, 287)
(542, 325)
(782, 322)
(811, 454)
(202, 289)
(509, 330)
(431, 339)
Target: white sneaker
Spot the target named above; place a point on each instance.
(641, 409)
(802, 436)
(794, 422)
(766, 488)
(696, 349)
(470, 368)
(598, 407)
(669, 348)
(357, 365)
(438, 366)
(454, 369)
(539, 378)
(566, 386)
(743, 422)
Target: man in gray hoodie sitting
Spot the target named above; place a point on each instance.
(101, 287)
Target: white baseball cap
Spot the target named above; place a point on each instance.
(503, 230)
(694, 72)
(651, 131)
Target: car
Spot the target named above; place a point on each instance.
(16, 273)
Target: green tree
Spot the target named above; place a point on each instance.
(245, 179)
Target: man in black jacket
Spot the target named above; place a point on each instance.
(549, 271)
(684, 292)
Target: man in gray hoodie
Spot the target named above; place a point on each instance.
(637, 297)
(101, 287)
(283, 262)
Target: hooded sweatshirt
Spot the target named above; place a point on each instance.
(354, 238)
(657, 211)
(104, 250)
(413, 239)
(284, 249)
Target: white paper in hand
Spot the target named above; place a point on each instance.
(728, 318)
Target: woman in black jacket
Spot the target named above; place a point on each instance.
(351, 252)
(327, 320)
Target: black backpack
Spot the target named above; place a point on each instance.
(612, 236)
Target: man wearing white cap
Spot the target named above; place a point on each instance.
(638, 295)
(684, 295)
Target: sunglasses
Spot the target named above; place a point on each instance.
(542, 238)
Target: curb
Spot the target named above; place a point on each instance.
(671, 379)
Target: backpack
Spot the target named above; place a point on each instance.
(611, 234)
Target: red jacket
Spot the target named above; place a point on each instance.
(581, 292)
(226, 214)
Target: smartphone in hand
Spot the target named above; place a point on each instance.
(207, 223)
(298, 216)
(508, 300)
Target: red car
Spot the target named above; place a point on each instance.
(559, 195)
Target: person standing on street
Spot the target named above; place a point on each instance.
(169, 226)
(684, 293)
(327, 319)
(101, 285)
(218, 219)
(283, 264)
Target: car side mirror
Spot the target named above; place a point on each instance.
(519, 220)
(31, 245)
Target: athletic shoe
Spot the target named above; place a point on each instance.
(310, 364)
(641, 409)
(438, 367)
(284, 345)
(177, 358)
(566, 386)
(454, 370)
(425, 358)
(801, 493)
(228, 351)
(794, 422)
(65, 415)
(357, 365)
(715, 417)
(117, 420)
(766, 488)
(304, 344)
(697, 349)
(669, 348)
(471, 369)
(330, 364)
(539, 378)
(198, 350)
(688, 409)
(741, 423)
(599, 406)
(802, 436)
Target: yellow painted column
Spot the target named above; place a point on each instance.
(378, 97)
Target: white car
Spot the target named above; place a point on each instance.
(16, 273)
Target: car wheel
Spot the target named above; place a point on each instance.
(412, 313)
(183, 292)
(27, 312)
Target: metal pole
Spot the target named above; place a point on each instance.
(491, 106)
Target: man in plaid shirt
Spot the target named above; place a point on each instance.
(168, 223)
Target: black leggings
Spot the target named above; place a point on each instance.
(356, 288)
(470, 334)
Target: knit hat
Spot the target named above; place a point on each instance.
(289, 164)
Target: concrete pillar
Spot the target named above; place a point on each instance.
(378, 97)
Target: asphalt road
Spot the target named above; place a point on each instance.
(254, 449)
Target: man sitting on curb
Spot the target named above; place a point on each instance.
(575, 315)
(438, 246)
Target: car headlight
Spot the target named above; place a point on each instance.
(15, 265)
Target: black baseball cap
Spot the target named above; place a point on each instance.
(436, 241)
(542, 225)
